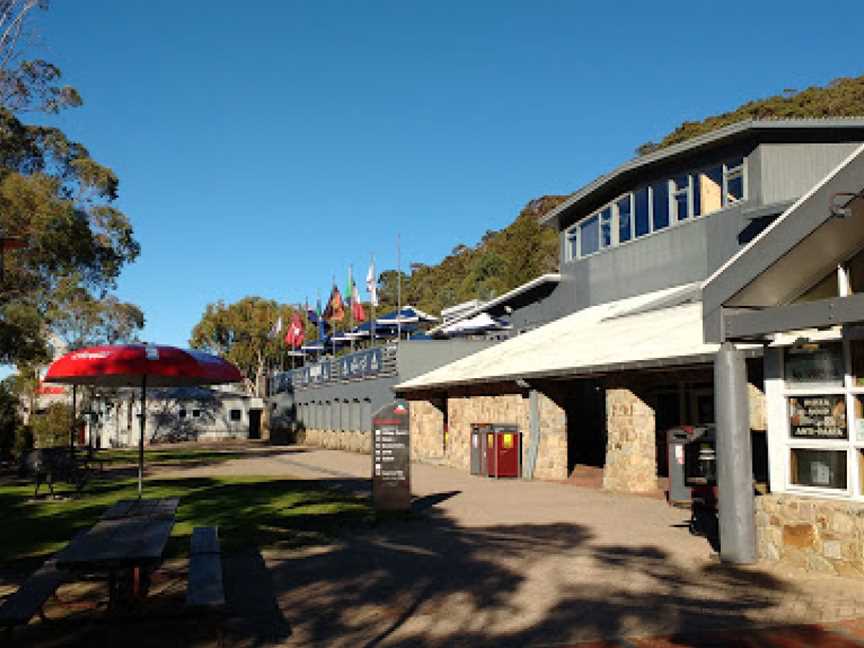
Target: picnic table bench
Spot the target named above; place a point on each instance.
(205, 588)
(128, 543)
(30, 598)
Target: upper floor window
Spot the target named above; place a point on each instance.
(658, 206)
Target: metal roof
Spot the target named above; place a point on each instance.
(485, 306)
(708, 140)
(617, 336)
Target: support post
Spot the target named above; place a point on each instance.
(734, 457)
(72, 429)
(141, 436)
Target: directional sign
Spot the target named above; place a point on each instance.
(391, 458)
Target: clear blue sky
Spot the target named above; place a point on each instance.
(262, 147)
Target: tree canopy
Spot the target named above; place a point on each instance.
(243, 332)
(58, 199)
(501, 261)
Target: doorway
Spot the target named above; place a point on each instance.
(255, 424)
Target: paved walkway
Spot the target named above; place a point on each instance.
(523, 563)
(484, 563)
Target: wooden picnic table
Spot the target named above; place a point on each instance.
(127, 543)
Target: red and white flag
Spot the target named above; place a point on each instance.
(295, 335)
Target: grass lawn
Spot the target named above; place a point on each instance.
(184, 455)
(259, 511)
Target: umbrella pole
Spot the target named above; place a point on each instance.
(141, 436)
(72, 424)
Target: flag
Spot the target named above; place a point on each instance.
(372, 284)
(319, 320)
(357, 311)
(348, 284)
(335, 311)
(295, 335)
(277, 328)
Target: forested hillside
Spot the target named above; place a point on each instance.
(507, 258)
(842, 97)
(501, 261)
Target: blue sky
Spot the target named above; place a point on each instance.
(262, 147)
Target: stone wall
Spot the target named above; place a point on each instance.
(503, 404)
(552, 454)
(631, 464)
(463, 410)
(338, 440)
(426, 421)
(816, 534)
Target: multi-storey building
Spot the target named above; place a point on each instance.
(624, 353)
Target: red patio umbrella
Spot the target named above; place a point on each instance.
(133, 365)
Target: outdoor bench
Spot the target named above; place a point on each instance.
(204, 588)
(20, 607)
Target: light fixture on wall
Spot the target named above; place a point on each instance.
(841, 203)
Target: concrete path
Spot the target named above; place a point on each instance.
(517, 563)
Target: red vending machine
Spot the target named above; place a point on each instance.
(505, 451)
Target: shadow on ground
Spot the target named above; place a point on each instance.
(422, 580)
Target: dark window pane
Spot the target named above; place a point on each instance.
(734, 188)
(624, 215)
(697, 202)
(681, 182)
(822, 468)
(641, 212)
(814, 364)
(235, 414)
(660, 204)
(182, 413)
(606, 227)
(681, 206)
(589, 235)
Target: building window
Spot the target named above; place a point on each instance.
(641, 213)
(825, 431)
(733, 178)
(589, 236)
(236, 414)
(659, 206)
(710, 190)
(572, 244)
(680, 198)
(196, 413)
(182, 413)
(656, 207)
(606, 227)
(624, 209)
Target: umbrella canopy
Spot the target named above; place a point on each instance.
(144, 365)
(126, 365)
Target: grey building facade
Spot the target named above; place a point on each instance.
(635, 246)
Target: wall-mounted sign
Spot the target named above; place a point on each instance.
(391, 458)
(358, 365)
(818, 417)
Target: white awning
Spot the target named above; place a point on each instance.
(661, 328)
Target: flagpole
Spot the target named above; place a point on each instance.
(351, 302)
(333, 326)
(372, 300)
(398, 290)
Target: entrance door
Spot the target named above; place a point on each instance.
(255, 424)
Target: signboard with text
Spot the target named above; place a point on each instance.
(391, 458)
(818, 417)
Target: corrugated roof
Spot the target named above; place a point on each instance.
(706, 140)
(602, 338)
